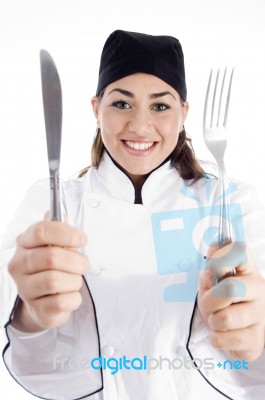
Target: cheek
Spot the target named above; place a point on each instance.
(172, 122)
(110, 124)
(172, 141)
(106, 128)
(170, 129)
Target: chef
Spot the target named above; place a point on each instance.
(129, 298)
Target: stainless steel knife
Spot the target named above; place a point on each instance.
(52, 105)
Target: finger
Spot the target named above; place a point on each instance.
(53, 311)
(52, 233)
(48, 283)
(240, 340)
(230, 290)
(233, 255)
(237, 316)
(219, 263)
(248, 355)
(54, 258)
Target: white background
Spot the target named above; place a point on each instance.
(212, 33)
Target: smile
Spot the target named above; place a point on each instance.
(139, 145)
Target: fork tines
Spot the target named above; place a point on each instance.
(215, 91)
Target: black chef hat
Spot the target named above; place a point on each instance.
(126, 53)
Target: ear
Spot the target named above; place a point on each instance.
(95, 104)
(185, 110)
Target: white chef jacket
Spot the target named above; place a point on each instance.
(139, 295)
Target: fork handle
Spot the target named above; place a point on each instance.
(224, 226)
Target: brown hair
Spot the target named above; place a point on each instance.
(182, 157)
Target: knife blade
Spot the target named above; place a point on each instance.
(52, 105)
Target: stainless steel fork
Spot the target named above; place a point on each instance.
(215, 137)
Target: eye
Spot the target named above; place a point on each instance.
(122, 105)
(160, 107)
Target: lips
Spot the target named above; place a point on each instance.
(142, 146)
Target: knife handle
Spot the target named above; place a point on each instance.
(55, 196)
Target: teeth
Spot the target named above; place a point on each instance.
(139, 145)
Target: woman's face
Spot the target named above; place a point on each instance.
(140, 118)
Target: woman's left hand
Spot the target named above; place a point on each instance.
(234, 307)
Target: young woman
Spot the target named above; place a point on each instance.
(116, 302)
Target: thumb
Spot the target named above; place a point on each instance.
(47, 217)
(230, 256)
(205, 281)
(205, 285)
(207, 275)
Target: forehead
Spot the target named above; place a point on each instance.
(142, 83)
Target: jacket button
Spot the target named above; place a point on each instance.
(95, 270)
(181, 351)
(107, 351)
(93, 203)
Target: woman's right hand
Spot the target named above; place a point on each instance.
(47, 268)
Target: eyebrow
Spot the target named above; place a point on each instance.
(161, 94)
(151, 96)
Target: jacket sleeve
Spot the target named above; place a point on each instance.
(51, 364)
(234, 378)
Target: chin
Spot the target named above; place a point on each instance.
(139, 171)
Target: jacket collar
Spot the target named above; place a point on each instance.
(114, 181)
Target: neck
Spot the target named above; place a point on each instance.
(137, 180)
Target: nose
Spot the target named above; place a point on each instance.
(140, 122)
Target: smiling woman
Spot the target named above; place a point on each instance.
(136, 114)
(145, 118)
(144, 111)
(144, 215)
